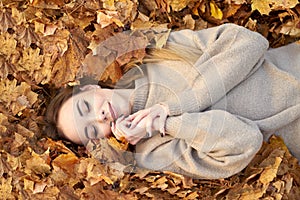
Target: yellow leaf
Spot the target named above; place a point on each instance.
(6, 188)
(31, 60)
(270, 172)
(8, 44)
(16, 98)
(3, 123)
(262, 6)
(38, 163)
(28, 184)
(215, 11)
(18, 16)
(178, 5)
(266, 6)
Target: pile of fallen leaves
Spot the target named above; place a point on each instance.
(46, 44)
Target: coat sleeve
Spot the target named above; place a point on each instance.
(231, 53)
(209, 145)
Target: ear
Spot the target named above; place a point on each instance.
(89, 87)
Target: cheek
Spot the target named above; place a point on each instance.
(105, 130)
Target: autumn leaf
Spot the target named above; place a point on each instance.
(266, 6)
(6, 20)
(26, 36)
(38, 164)
(107, 19)
(178, 5)
(30, 61)
(6, 188)
(215, 11)
(16, 98)
(8, 44)
(3, 123)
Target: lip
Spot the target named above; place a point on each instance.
(112, 112)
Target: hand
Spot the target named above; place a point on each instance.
(122, 130)
(160, 111)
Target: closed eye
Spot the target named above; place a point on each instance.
(88, 107)
(91, 132)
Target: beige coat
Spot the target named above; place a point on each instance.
(223, 104)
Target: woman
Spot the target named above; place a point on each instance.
(203, 113)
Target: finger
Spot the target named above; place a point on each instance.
(137, 119)
(114, 131)
(162, 122)
(149, 126)
(134, 141)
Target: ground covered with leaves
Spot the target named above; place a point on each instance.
(44, 46)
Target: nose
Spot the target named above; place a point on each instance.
(101, 116)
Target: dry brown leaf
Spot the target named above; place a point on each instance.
(189, 22)
(250, 193)
(66, 68)
(106, 19)
(51, 4)
(66, 162)
(3, 123)
(11, 92)
(178, 5)
(38, 164)
(106, 59)
(6, 188)
(26, 36)
(265, 7)
(18, 16)
(6, 20)
(30, 61)
(56, 45)
(18, 141)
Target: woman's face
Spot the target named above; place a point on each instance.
(88, 115)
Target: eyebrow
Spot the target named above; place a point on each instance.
(78, 108)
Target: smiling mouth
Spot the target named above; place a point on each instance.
(112, 113)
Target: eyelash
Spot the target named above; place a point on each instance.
(96, 132)
(87, 105)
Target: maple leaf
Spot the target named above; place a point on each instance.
(66, 68)
(8, 44)
(38, 164)
(6, 20)
(11, 92)
(6, 188)
(18, 16)
(26, 35)
(56, 45)
(30, 61)
(6, 67)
